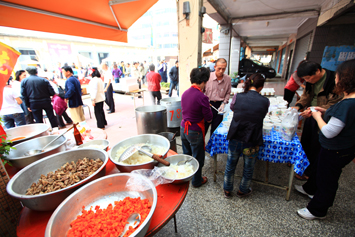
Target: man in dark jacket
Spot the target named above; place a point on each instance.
(174, 78)
(73, 95)
(37, 93)
(320, 84)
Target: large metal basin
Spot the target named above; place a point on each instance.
(144, 138)
(100, 192)
(97, 142)
(19, 160)
(151, 119)
(28, 131)
(175, 159)
(19, 184)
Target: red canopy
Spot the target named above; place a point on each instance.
(99, 19)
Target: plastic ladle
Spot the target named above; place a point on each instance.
(133, 220)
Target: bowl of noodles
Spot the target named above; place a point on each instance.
(159, 144)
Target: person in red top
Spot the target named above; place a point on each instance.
(154, 79)
(292, 86)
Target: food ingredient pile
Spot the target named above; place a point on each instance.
(65, 176)
(110, 221)
(179, 171)
(138, 158)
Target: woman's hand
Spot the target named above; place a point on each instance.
(93, 102)
(307, 113)
(317, 115)
(320, 109)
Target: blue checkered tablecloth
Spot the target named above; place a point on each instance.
(275, 149)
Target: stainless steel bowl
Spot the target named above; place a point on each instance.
(144, 138)
(28, 131)
(100, 192)
(19, 184)
(100, 142)
(175, 159)
(18, 158)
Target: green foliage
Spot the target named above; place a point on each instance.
(5, 147)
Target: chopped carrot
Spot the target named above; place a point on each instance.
(110, 221)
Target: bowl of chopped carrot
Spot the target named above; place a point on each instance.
(102, 207)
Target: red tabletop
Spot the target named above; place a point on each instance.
(170, 198)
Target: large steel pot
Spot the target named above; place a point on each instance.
(144, 138)
(151, 119)
(101, 192)
(28, 131)
(19, 160)
(173, 107)
(169, 136)
(19, 184)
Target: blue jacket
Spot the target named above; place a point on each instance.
(73, 92)
(36, 89)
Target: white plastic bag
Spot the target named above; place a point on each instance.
(155, 175)
(289, 125)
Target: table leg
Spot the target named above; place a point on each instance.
(288, 189)
(143, 96)
(134, 100)
(175, 223)
(215, 168)
(267, 172)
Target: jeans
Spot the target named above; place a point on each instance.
(117, 80)
(156, 94)
(11, 119)
(174, 84)
(235, 149)
(193, 145)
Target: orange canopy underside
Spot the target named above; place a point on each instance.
(91, 10)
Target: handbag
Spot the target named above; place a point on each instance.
(61, 92)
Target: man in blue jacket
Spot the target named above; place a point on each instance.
(73, 95)
(174, 78)
(37, 93)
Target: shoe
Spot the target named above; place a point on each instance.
(300, 189)
(107, 109)
(307, 215)
(240, 194)
(61, 127)
(302, 178)
(227, 194)
(110, 112)
(69, 123)
(204, 180)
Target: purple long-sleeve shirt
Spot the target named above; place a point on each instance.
(195, 107)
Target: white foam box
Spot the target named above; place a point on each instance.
(128, 81)
(126, 88)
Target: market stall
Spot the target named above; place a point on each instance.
(275, 150)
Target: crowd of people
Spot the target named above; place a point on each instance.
(328, 134)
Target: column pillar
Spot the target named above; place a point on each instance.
(224, 45)
(190, 42)
(235, 54)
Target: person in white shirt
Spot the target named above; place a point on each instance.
(96, 90)
(11, 111)
(108, 78)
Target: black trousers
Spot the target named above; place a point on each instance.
(217, 118)
(323, 182)
(288, 96)
(109, 98)
(37, 112)
(60, 119)
(156, 94)
(310, 143)
(100, 115)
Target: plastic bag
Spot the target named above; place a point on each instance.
(289, 125)
(155, 175)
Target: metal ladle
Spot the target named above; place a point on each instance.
(133, 220)
(182, 162)
(37, 151)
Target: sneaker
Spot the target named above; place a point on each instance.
(300, 189)
(227, 194)
(240, 194)
(307, 215)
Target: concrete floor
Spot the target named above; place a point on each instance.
(265, 212)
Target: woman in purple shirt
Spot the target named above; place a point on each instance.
(116, 73)
(195, 110)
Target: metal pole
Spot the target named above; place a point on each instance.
(290, 183)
